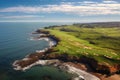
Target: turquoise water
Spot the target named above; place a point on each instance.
(15, 44)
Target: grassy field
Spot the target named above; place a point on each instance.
(102, 44)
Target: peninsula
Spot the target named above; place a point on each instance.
(88, 50)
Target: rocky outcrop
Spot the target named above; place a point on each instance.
(39, 54)
(95, 66)
(30, 59)
(45, 55)
(92, 63)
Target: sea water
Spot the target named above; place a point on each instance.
(15, 44)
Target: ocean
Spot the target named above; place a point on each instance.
(15, 44)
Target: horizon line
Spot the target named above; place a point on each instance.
(64, 21)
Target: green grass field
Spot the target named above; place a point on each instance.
(102, 44)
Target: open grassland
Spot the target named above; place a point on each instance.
(102, 44)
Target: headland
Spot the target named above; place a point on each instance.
(68, 53)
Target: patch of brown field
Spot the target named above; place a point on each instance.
(78, 45)
(86, 47)
(70, 40)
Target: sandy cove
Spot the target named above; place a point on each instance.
(63, 66)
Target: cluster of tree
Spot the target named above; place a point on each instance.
(52, 27)
(67, 30)
(42, 31)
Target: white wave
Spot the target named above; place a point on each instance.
(36, 38)
(63, 66)
(82, 74)
(44, 50)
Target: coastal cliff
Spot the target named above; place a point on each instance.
(95, 66)
(50, 54)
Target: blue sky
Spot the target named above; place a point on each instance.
(59, 10)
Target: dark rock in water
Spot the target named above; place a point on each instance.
(47, 77)
(32, 58)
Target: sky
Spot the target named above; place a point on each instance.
(59, 10)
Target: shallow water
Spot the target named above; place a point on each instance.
(15, 44)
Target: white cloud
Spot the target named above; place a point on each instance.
(21, 16)
(82, 8)
(88, 2)
(109, 1)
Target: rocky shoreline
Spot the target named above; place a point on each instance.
(80, 74)
(42, 57)
(39, 54)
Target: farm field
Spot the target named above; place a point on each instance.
(100, 43)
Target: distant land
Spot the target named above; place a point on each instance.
(99, 24)
(92, 47)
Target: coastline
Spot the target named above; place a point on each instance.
(38, 59)
(32, 58)
(80, 74)
(43, 58)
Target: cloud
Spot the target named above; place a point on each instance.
(109, 1)
(89, 2)
(21, 16)
(80, 8)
